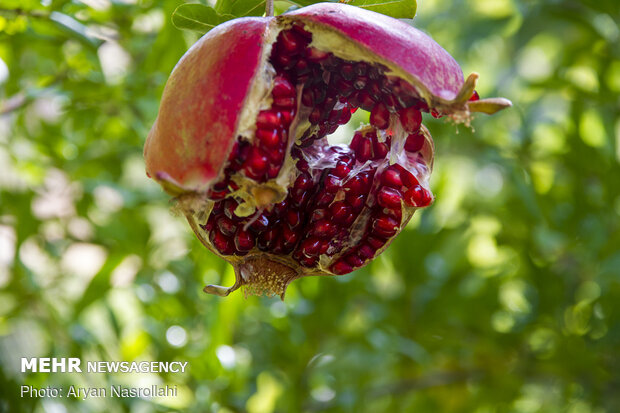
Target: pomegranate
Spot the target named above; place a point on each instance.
(241, 139)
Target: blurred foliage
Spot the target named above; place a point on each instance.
(504, 296)
(202, 17)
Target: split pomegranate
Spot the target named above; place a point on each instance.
(241, 139)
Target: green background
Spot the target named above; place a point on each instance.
(504, 296)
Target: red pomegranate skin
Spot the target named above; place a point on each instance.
(393, 40)
(209, 83)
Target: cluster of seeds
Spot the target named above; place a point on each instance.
(346, 202)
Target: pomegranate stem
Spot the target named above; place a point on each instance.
(268, 8)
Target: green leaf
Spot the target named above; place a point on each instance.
(248, 8)
(198, 17)
(241, 8)
(74, 29)
(399, 9)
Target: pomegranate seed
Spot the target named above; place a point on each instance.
(324, 199)
(273, 171)
(341, 170)
(267, 239)
(308, 261)
(332, 184)
(475, 96)
(315, 55)
(358, 184)
(418, 197)
(375, 243)
(361, 68)
(315, 116)
(300, 198)
(222, 243)
(244, 151)
(355, 142)
(230, 205)
(356, 201)
(209, 225)
(269, 138)
(244, 240)
(256, 163)
(385, 226)
(323, 229)
(366, 251)
(303, 181)
(389, 197)
(318, 214)
(380, 149)
(217, 195)
(407, 177)
(302, 32)
(260, 224)
(334, 116)
(340, 211)
(395, 213)
(284, 60)
(347, 71)
(307, 97)
(282, 88)
(234, 152)
(411, 119)
(344, 87)
(355, 261)
(268, 119)
(414, 142)
(310, 247)
(226, 226)
(293, 218)
(345, 117)
(376, 72)
(280, 207)
(390, 101)
(275, 155)
(301, 67)
(364, 150)
(284, 102)
(290, 41)
(360, 82)
(341, 268)
(287, 117)
(289, 236)
(324, 247)
(379, 116)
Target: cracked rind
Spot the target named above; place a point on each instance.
(351, 32)
(217, 89)
(203, 103)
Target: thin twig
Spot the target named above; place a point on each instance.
(269, 8)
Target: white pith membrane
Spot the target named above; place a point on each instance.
(239, 204)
